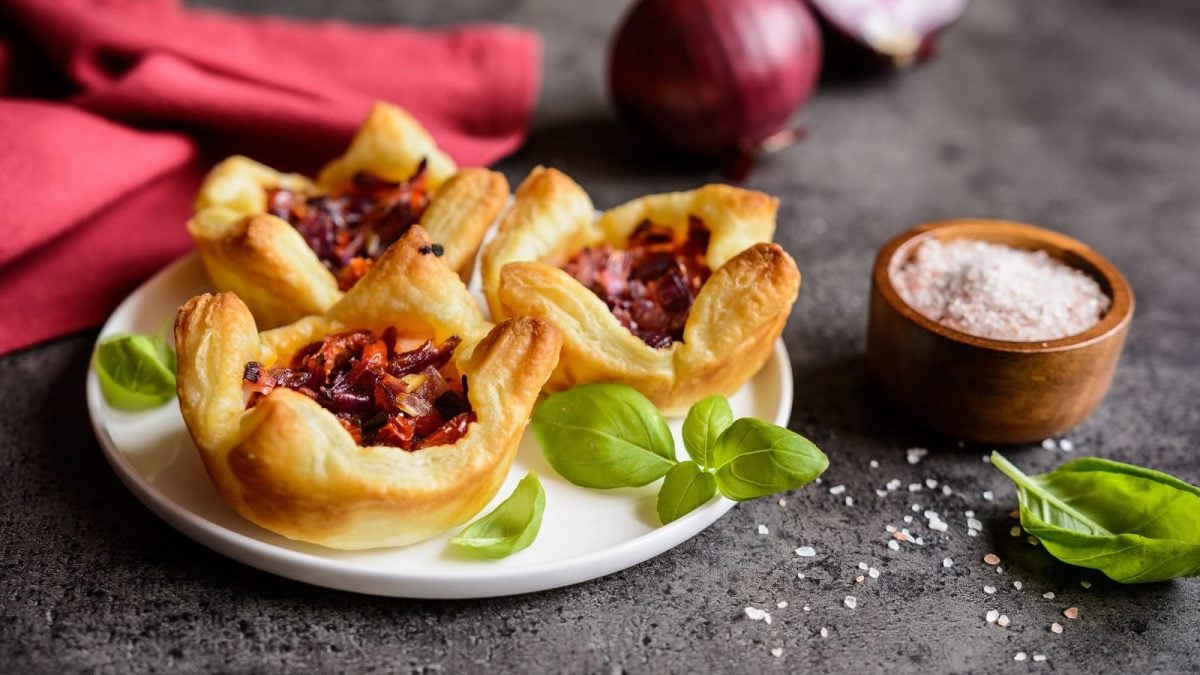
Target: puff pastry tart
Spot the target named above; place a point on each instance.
(290, 246)
(388, 419)
(679, 295)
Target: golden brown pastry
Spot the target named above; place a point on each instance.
(404, 363)
(680, 295)
(270, 237)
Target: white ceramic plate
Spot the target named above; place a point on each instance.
(585, 533)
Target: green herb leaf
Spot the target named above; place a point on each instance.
(604, 436)
(704, 424)
(755, 458)
(1136, 525)
(510, 527)
(136, 371)
(686, 487)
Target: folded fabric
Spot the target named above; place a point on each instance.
(124, 104)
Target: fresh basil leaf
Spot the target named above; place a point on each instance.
(136, 371)
(510, 527)
(755, 458)
(604, 436)
(1133, 524)
(704, 424)
(685, 487)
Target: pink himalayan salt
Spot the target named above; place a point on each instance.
(997, 291)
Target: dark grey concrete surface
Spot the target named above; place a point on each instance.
(1082, 116)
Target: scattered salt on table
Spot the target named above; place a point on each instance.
(756, 614)
(1071, 612)
(1056, 627)
(806, 552)
(762, 529)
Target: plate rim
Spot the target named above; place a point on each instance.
(346, 575)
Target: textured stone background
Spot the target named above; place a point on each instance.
(1082, 116)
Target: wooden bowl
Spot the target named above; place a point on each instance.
(984, 390)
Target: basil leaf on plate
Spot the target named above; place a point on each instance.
(604, 436)
(1133, 524)
(510, 527)
(704, 424)
(686, 487)
(136, 371)
(755, 458)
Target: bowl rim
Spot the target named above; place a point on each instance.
(1114, 320)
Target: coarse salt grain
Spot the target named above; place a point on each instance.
(863, 566)
(938, 525)
(988, 495)
(969, 513)
(781, 604)
(881, 493)
(808, 608)
(991, 559)
(1056, 627)
(992, 615)
(806, 552)
(873, 573)
(930, 483)
(1049, 595)
(824, 632)
(893, 484)
(777, 652)
(849, 500)
(837, 489)
(1085, 584)
(1003, 621)
(1018, 585)
(859, 579)
(916, 454)
(916, 508)
(799, 575)
(1066, 445)
(894, 545)
(1071, 612)
(908, 519)
(997, 291)
(1039, 657)
(914, 487)
(1020, 656)
(990, 590)
(756, 614)
(1049, 444)
(874, 464)
(974, 523)
(782, 502)
(947, 491)
(762, 529)
(850, 601)
(947, 563)
(889, 528)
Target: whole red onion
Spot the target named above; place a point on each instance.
(714, 77)
(863, 34)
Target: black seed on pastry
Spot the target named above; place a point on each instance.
(435, 249)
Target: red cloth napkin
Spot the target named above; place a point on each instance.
(126, 103)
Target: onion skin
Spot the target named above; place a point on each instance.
(713, 77)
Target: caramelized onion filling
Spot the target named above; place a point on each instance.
(382, 396)
(350, 228)
(649, 285)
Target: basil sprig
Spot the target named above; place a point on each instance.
(609, 436)
(1133, 524)
(510, 527)
(136, 371)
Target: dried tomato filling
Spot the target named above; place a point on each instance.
(649, 285)
(349, 229)
(382, 396)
